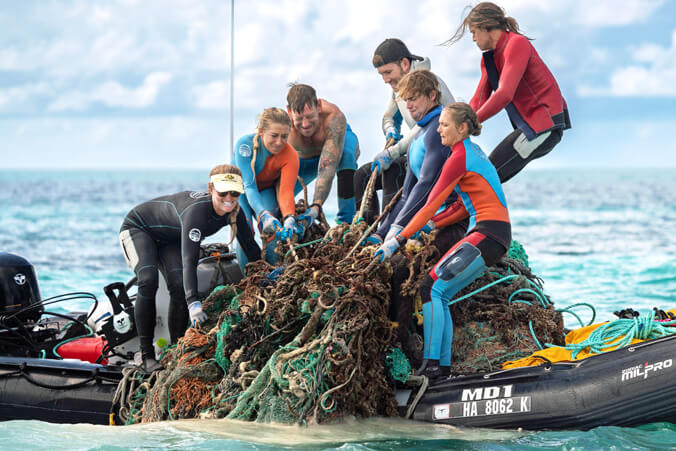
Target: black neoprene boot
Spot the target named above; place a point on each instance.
(429, 368)
(445, 371)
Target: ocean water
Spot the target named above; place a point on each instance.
(602, 237)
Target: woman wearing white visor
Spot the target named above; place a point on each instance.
(165, 234)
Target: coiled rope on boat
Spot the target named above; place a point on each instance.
(621, 332)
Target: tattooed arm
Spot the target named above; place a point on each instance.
(332, 151)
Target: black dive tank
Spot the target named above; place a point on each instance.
(18, 287)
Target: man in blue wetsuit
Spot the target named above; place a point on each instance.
(426, 156)
(326, 147)
(165, 234)
(393, 60)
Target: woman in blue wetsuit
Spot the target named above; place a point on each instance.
(269, 168)
(165, 234)
(471, 175)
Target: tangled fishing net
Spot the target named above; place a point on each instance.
(310, 341)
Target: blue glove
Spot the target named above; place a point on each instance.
(371, 240)
(394, 135)
(299, 230)
(310, 215)
(268, 223)
(386, 251)
(427, 228)
(197, 316)
(288, 230)
(382, 161)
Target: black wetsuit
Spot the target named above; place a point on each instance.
(165, 233)
(389, 182)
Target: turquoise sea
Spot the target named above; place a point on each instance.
(604, 237)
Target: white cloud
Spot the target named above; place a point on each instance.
(214, 95)
(16, 98)
(652, 73)
(113, 94)
(613, 13)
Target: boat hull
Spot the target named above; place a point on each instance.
(627, 387)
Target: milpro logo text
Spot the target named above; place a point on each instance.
(643, 371)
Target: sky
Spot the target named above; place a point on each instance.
(145, 83)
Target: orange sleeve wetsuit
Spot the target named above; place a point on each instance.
(474, 179)
(278, 171)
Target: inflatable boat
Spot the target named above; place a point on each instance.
(627, 387)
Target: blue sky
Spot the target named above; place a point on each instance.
(144, 84)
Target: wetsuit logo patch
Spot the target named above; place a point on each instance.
(198, 194)
(20, 279)
(478, 152)
(245, 150)
(195, 235)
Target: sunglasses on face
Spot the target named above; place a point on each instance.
(232, 193)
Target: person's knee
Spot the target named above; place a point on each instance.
(346, 183)
(363, 173)
(361, 177)
(400, 271)
(175, 287)
(457, 270)
(147, 281)
(426, 289)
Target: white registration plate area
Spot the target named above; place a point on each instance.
(500, 406)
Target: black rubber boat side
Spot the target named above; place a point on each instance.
(57, 391)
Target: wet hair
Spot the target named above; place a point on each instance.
(419, 81)
(268, 117)
(300, 95)
(487, 16)
(462, 113)
(232, 217)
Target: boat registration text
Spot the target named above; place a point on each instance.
(501, 406)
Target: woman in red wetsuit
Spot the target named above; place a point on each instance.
(514, 78)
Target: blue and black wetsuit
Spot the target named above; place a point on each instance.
(426, 157)
(165, 234)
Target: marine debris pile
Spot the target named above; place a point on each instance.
(311, 341)
(506, 321)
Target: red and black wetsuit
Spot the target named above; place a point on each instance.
(514, 78)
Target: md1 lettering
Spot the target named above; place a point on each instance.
(477, 394)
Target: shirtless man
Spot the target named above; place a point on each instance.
(326, 145)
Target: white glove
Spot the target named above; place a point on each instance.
(197, 316)
(394, 231)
